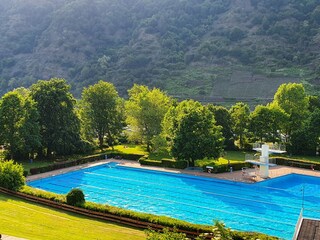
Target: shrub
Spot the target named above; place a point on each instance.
(169, 163)
(166, 234)
(75, 197)
(11, 175)
(149, 162)
(43, 194)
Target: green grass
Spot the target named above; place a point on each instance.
(130, 149)
(160, 155)
(27, 165)
(32, 221)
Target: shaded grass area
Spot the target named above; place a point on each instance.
(32, 221)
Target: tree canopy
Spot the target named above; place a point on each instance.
(191, 131)
(19, 124)
(102, 113)
(145, 111)
(240, 120)
(59, 124)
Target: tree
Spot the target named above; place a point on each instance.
(191, 132)
(240, 119)
(223, 119)
(59, 124)
(19, 124)
(102, 112)
(306, 139)
(11, 175)
(292, 99)
(145, 111)
(266, 122)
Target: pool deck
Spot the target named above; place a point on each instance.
(237, 176)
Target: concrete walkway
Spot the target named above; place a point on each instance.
(233, 176)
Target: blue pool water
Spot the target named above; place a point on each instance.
(271, 207)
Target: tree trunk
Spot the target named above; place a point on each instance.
(148, 147)
(100, 142)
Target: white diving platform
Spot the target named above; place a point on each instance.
(258, 163)
(263, 161)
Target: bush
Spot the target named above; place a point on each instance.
(166, 234)
(169, 163)
(43, 194)
(66, 164)
(149, 162)
(11, 175)
(296, 163)
(126, 156)
(75, 197)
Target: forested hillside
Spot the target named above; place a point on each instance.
(211, 50)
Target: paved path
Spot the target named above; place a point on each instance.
(234, 176)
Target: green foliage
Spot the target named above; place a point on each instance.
(145, 111)
(305, 140)
(19, 126)
(59, 124)
(291, 98)
(240, 118)
(166, 163)
(166, 234)
(55, 166)
(11, 175)
(155, 44)
(43, 194)
(75, 197)
(101, 111)
(191, 132)
(223, 119)
(266, 121)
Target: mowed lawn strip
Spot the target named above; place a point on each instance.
(23, 219)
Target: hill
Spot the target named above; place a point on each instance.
(211, 50)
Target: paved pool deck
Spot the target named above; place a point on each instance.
(238, 176)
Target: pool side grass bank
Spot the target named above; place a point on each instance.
(122, 216)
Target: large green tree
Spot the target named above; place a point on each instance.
(223, 119)
(102, 113)
(240, 119)
(145, 111)
(19, 124)
(292, 99)
(191, 132)
(266, 122)
(306, 139)
(59, 124)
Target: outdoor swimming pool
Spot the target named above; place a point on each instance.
(271, 207)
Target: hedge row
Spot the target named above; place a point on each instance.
(226, 168)
(149, 162)
(296, 163)
(101, 208)
(126, 156)
(60, 165)
(167, 163)
(84, 160)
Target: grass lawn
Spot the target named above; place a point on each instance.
(32, 221)
(130, 149)
(35, 163)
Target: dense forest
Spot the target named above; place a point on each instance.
(188, 48)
